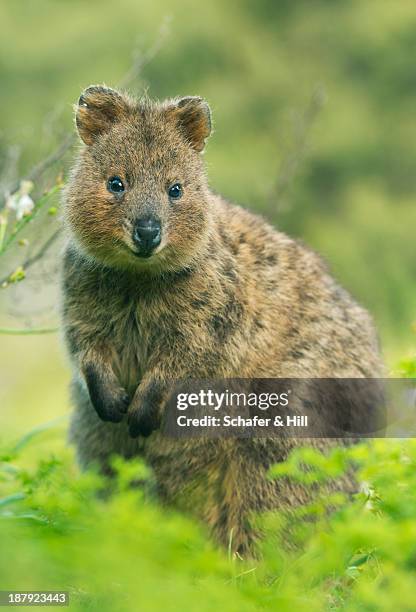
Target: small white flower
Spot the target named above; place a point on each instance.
(21, 204)
(25, 205)
(20, 201)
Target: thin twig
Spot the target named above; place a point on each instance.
(9, 169)
(143, 59)
(37, 256)
(41, 252)
(10, 331)
(40, 168)
(290, 165)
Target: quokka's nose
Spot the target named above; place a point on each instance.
(147, 235)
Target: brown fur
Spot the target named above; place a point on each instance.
(225, 295)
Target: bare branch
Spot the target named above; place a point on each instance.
(290, 165)
(39, 169)
(9, 169)
(142, 59)
(10, 331)
(30, 261)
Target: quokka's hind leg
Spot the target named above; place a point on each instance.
(241, 491)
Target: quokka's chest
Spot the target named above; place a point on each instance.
(140, 332)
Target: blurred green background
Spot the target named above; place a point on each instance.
(315, 127)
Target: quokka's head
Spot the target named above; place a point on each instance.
(137, 196)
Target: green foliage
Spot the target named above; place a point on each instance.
(407, 367)
(121, 551)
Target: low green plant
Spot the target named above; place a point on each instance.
(59, 529)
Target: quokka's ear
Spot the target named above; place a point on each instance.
(193, 117)
(98, 108)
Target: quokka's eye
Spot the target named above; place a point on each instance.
(115, 185)
(175, 192)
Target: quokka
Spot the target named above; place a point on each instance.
(165, 280)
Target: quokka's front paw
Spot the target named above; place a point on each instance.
(144, 415)
(143, 420)
(113, 407)
(109, 400)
